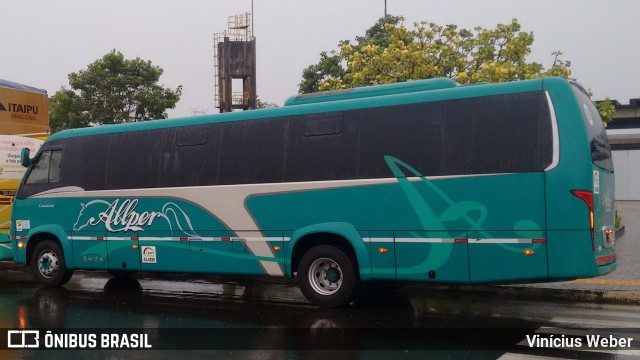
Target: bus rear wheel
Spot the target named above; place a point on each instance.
(49, 267)
(326, 276)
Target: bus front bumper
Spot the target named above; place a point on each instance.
(605, 269)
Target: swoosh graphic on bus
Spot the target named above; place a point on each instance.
(429, 218)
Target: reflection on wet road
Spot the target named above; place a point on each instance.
(249, 319)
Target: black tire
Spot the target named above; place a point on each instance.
(67, 276)
(121, 274)
(47, 262)
(326, 276)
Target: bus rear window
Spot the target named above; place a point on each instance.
(598, 141)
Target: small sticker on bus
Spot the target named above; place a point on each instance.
(18, 225)
(149, 254)
(596, 182)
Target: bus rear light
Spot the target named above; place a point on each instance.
(587, 197)
(605, 259)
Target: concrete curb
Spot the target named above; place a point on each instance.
(536, 292)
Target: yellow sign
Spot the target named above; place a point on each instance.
(23, 110)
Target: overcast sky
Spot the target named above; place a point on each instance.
(45, 40)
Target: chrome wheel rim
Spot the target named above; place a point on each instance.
(48, 264)
(325, 276)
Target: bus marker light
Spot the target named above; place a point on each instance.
(605, 259)
(528, 252)
(134, 246)
(383, 250)
(277, 248)
(20, 245)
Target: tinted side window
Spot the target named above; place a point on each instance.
(322, 147)
(492, 134)
(483, 135)
(497, 134)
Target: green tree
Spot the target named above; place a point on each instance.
(390, 52)
(112, 90)
(264, 104)
(331, 67)
(606, 110)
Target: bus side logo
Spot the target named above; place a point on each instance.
(122, 216)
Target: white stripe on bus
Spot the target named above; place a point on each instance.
(183, 238)
(274, 239)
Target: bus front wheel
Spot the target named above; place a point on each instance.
(326, 276)
(49, 267)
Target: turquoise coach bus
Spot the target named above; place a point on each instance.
(506, 182)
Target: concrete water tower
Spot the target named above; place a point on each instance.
(235, 65)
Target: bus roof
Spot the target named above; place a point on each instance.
(375, 90)
(319, 107)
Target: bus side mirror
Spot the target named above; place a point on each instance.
(25, 160)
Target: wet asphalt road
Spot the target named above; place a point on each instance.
(207, 318)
